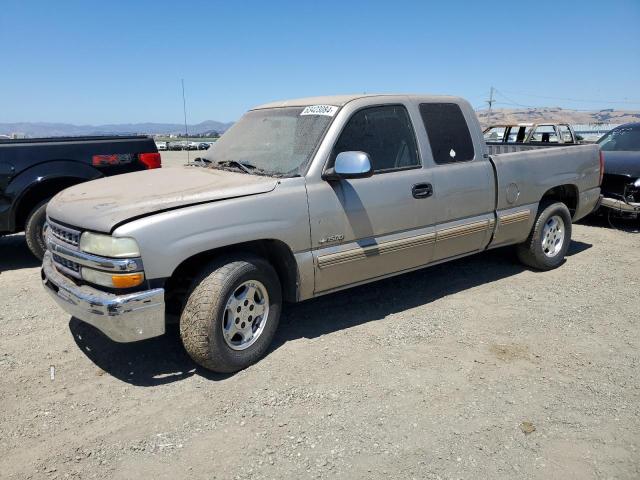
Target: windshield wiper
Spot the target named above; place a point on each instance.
(244, 166)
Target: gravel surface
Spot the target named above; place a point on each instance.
(179, 158)
(478, 368)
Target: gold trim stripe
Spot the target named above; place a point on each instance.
(462, 230)
(515, 217)
(361, 253)
(393, 246)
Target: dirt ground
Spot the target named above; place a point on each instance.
(179, 158)
(475, 369)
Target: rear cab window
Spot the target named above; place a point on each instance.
(545, 134)
(494, 134)
(565, 134)
(448, 132)
(518, 133)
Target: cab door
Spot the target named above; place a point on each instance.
(463, 183)
(371, 227)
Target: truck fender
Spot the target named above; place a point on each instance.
(27, 183)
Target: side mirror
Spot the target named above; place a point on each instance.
(350, 165)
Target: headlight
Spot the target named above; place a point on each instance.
(108, 246)
(112, 280)
(637, 183)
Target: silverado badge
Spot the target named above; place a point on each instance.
(331, 239)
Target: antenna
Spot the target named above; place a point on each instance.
(186, 130)
(490, 102)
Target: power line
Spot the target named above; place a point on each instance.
(512, 101)
(630, 102)
(531, 106)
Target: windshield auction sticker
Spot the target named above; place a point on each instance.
(328, 110)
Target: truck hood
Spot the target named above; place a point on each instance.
(102, 204)
(622, 163)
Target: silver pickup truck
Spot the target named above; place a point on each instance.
(299, 199)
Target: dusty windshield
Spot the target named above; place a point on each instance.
(274, 141)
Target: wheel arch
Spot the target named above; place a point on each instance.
(567, 194)
(41, 181)
(37, 192)
(276, 252)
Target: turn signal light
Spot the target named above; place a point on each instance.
(112, 280)
(150, 160)
(127, 281)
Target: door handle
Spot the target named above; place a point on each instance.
(422, 190)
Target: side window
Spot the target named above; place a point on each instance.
(494, 134)
(545, 133)
(385, 134)
(448, 132)
(565, 134)
(517, 134)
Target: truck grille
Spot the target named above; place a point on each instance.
(65, 234)
(71, 239)
(67, 264)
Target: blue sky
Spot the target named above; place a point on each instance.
(122, 61)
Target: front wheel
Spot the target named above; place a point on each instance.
(549, 240)
(232, 314)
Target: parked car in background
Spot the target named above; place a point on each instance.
(621, 183)
(528, 136)
(34, 170)
(300, 199)
(161, 146)
(183, 145)
(203, 146)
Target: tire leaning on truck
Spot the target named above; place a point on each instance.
(232, 301)
(550, 237)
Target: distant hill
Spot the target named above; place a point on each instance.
(44, 129)
(557, 115)
(520, 115)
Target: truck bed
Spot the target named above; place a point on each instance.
(574, 166)
(500, 147)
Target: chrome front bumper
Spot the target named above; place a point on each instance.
(122, 318)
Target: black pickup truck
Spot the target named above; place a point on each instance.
(34, 170)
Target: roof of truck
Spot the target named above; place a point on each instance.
(340, 100)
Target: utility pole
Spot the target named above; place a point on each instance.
(490, 102)
(186, 130)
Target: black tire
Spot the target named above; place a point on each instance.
(201, 321)
(34, 229)
(531, 251)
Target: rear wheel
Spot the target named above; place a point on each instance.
(549, 240)
(34, 229)
(231, 314)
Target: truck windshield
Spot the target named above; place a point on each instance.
(273, 141)
(626, 138)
